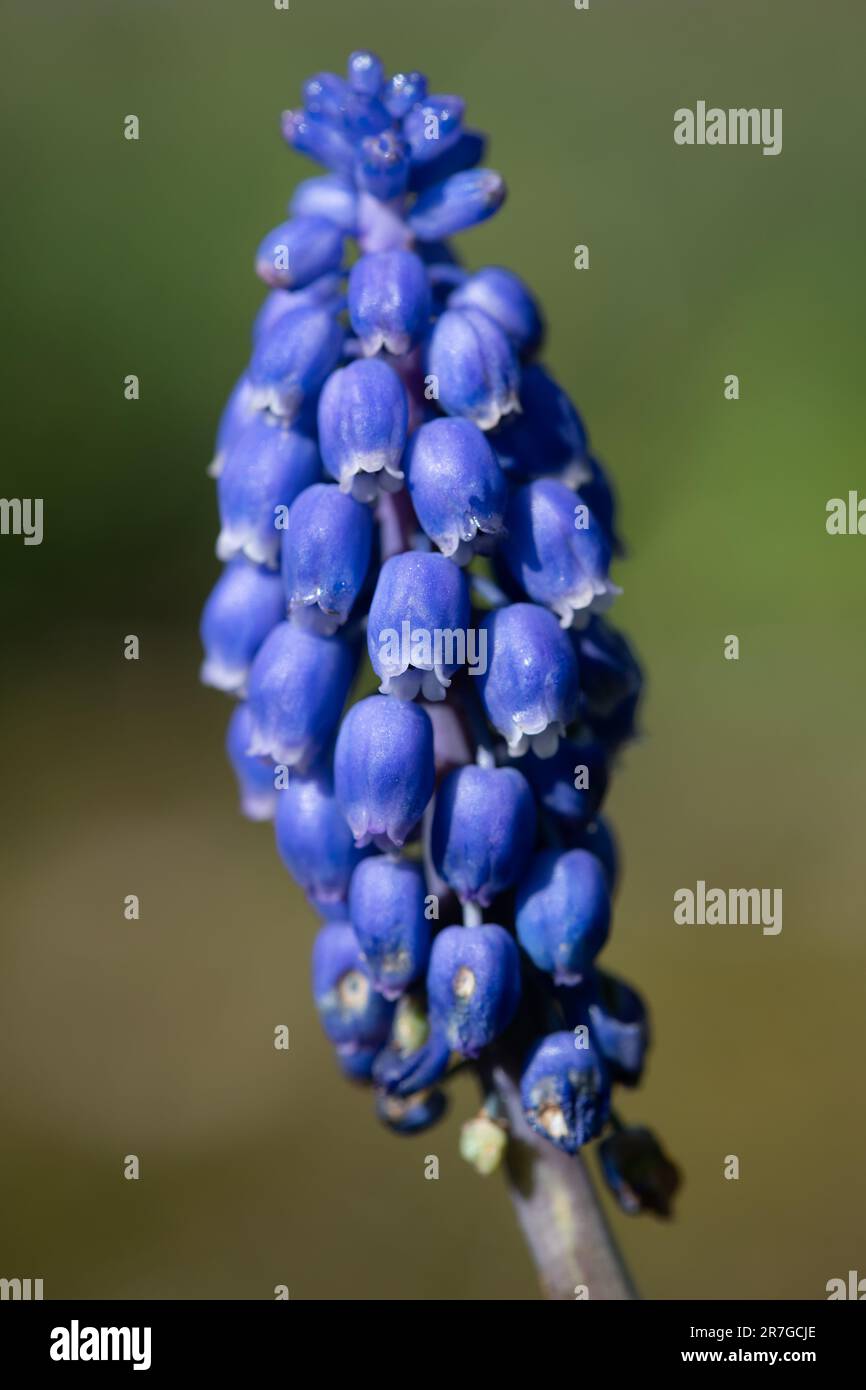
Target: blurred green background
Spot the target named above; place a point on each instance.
(155, 1038)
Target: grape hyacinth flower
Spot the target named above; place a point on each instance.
(395, 466)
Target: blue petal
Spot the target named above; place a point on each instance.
(244, 605)
(314, 841)
(457, 203)
(326, 555)
(474, 366)
(530, 688)
(389, 301)
(417, 633)
(383, 769)
(291, 361)
(363, 419)
(473, 985)
(265, 469)
(563, 912)
(297, 689)
(458, 490)
(483, 831)
(387, 909)
(299, 251)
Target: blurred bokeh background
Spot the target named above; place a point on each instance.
(155, 1037)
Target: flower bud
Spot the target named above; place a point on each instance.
(563, 913)
(418, 625)
(315, 843)
(382, 165)
(244, 604)
(638, 1172)
(432, 126)
(265, 469)
(353, 1014)
(565, 1092)
(240, 409)
(503, 296)
(318, 139)
(457, 488)
(475, 366)
(389, 301)
(383, 769)
(292, 360)
(387, 899)
(572, 783)
(297, 688)
(617, 1021)
(298, 251)
(365, 72)
(326, 291)
(403, 91)
(330, 196)
(473, 986)
(483, 831)
(413, 1114)
(255, 776)
(530, 688)
(363, 418)
(457, 203)
(325, 556)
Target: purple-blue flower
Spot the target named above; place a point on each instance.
(458, 490)
(389, 301)
(264, 470)
(383, 769)
(572, 783)
(474, 367)
(483, 831)
(363, 418)
(556, 550)
(460, 201)
(418, 629)
(244, 605)
(530, 688)
(314, 841)
(387, 908)
(326, 549)
(353, 1014)
(255, 776)
(565, 1090)
(563, 912)
(473, 986)
(299, 251)
(546, 436)
(297, 688)
(292, 359)
(505, 298)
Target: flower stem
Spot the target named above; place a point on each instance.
(559, 1213)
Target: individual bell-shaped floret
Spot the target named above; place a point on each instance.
(505, 298)
(565, 1092)
(473, 986)
(458, 490)
(616, 1019)
(299, 251)
(403, 91)
(483, 831)
(326, 548)
(563, 913)
(610, 680)
(557, 551)
(571, 784)
(530, 687)
(474, 367)
(297, 688)
(599, 839)
(363, 418)
(255, 776)
(389, 301)
(240, 409)
(353, 1014)
(638, 1171)
(418, 628)
(413, 1114)
(458, 202)
(365, 72)
(325, 292)
(315, 843)
(291, 361)
(547, 436)
(265, 469)
(244, 605)
(387, 902)
(383, 769)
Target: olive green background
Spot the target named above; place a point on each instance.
(155, 1037)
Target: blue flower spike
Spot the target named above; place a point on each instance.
(408, 496)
